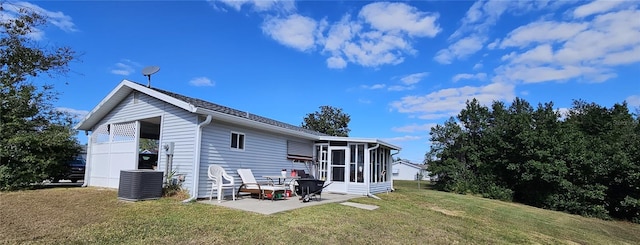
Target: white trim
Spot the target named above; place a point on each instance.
(254, 124)
(359, 140)
(238, 147)
(158, 95)
(123, 89)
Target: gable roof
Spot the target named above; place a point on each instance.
(198, 106)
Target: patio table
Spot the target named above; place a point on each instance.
(282, 180)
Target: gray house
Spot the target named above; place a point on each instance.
(193, 133)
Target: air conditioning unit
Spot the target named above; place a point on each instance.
(140, 184)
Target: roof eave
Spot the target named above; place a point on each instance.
(114, 97)
(364, 140)
(254, 124)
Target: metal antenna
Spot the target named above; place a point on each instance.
(148, 71)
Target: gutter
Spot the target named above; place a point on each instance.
(398, 152)
(196, 162)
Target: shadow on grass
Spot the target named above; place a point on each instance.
(414, 184)
(61, 184)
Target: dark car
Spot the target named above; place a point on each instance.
(74, 171)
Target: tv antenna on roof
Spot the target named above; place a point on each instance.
(148, 71)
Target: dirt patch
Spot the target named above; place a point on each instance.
(447, 212)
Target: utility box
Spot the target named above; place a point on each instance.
(140, 184)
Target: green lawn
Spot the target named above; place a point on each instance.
(407, 216)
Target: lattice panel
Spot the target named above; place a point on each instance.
(101, 134)
(123, 132)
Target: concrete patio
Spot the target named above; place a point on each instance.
(267, 207)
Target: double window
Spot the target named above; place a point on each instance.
(237, 141)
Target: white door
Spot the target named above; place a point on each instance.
(338, 169)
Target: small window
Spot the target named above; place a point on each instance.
(237, 141)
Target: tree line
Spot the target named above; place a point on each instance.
(585, 161)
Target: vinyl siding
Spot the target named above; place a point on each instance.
(406, 172)
(357, 188)
(265, 153)
(380, 187)
(177, 125)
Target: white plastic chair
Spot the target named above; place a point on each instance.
(217, 175)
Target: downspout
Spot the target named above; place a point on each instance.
(393, 189)
(87, 167)
(196, 162)
(369, 194)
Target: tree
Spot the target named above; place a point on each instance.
(36, 140)
(329, 120)
(586, 163)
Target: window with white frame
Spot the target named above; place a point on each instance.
(237, 141)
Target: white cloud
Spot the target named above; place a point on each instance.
(460, 49)
(622, 57)
(201, 82)
(364, 101)
(375, 48)
(474, 30)
(477, 66)
(295, 31)
(125, 67)
(403, 138)
(477, 76)
(258, 5)
(595, 7)
(59, 19)
(56, 18)
(373, 87)
(542, 54)
(76, 114)
(448, 102)
(336, 62)
(564, 112)
(553, 32)
(400, 17)
(633, 100)
(587, 50)
(401, 88)
(537, 74)
(413, 78)
(381, 34)
(414, 128)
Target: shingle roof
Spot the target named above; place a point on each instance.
(234, 112)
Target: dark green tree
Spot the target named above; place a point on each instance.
(587, 163)
(329, 120)
(35, 139)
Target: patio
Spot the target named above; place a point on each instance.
(270, 207)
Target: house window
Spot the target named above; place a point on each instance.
(237, 141)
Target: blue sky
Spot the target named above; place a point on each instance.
(398, 68)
